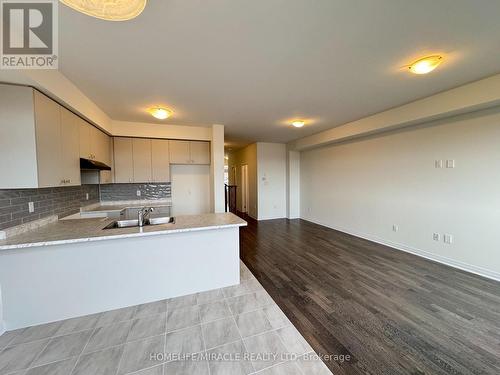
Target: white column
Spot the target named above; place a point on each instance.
(293, 184)
(217, 168)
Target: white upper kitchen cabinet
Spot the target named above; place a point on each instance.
(99, 145)
(84, 128)
(141, 153)
(33, 141)
(48, 141)
(70, 158)
(189, 152)
(94, 144)
(124, 161)
(179, 152)
(160, 160)
(200, 152)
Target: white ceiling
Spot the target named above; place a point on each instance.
(253, 65)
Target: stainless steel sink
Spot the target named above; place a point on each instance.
(135, 223)
(160, 220)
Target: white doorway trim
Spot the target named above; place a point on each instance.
(244, 188)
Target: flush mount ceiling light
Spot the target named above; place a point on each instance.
(160, 113)
(426, 64)
(298, 123)
(110, 10)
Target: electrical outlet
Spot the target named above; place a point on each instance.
(450, 163)
(31, 207)
(87, 196)
(436, 236)
(395, 228)
(438, 164)
(448, 238)
(138, 193)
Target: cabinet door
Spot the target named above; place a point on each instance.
(96, 143)
(107, 176)
(179, 152)
(105, 153)
(142, 159)
(124, 164)
(70, 141)
(84, 129)
(200, 152)
(160, 160)
(100, 146)
(48, 141)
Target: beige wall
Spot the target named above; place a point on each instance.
(248, 156)
(149, 130)
(366, 186)
(267, 172)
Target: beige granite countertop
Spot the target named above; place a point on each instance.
(83, 230)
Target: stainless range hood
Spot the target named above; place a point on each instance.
(93, 165)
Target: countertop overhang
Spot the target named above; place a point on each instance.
(84, 230)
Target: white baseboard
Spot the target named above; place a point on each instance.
(489, 274)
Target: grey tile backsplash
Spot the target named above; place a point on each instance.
(123, 192)
(62, 201)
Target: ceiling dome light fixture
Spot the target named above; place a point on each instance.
(298, 123)
(425, 65)
(110, 10)
(160, 113)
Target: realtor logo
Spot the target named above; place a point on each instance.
(29, 34)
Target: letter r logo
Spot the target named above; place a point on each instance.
(27, 27)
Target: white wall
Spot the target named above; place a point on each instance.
(474, 96)
(271, 173)
(54, 84)
(190, 189)
(217, 163)
(364, 187)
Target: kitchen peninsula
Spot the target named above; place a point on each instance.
(51, 272)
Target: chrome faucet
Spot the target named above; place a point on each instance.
(143, 215)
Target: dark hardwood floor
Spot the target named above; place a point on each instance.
(392, 312)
